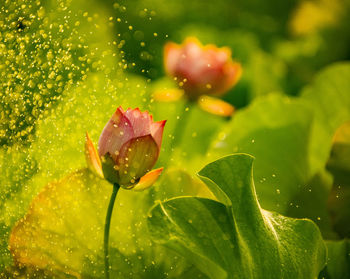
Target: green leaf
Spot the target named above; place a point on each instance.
(339, 161)
(177, 182)
(328, 95)
(339, 166)
(276, 131)
(290, 138)
(338, 263)
(312, 202)
(329, 99)
(236, 238)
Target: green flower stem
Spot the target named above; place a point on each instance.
(107, 228)
(181, 125)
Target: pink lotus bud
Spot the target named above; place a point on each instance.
(201, 69)
(129, 147)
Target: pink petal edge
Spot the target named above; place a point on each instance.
(172, 53)
(116, 132)
(92, 158)
(131, 153)
(157, 131)
(140, 121)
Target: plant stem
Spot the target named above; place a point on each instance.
(180, 126)
(107, 228)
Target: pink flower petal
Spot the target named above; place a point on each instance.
(92, 159)
(201, 69)
(117, 131)
(147, 180)
(157, 131)
(137, 157)
(233, 72)
(140, 122)
(172, 54)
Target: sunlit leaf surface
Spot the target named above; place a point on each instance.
(235, 238)
(276, 131)
(290, 138)
(328, 96)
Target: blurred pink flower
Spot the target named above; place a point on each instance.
(201, 69)
(128, 147)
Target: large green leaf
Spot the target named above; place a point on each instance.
(276, 131)
(329, 99)
(339, 166)
(236, 238)
(312, 202)
(290, 138)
